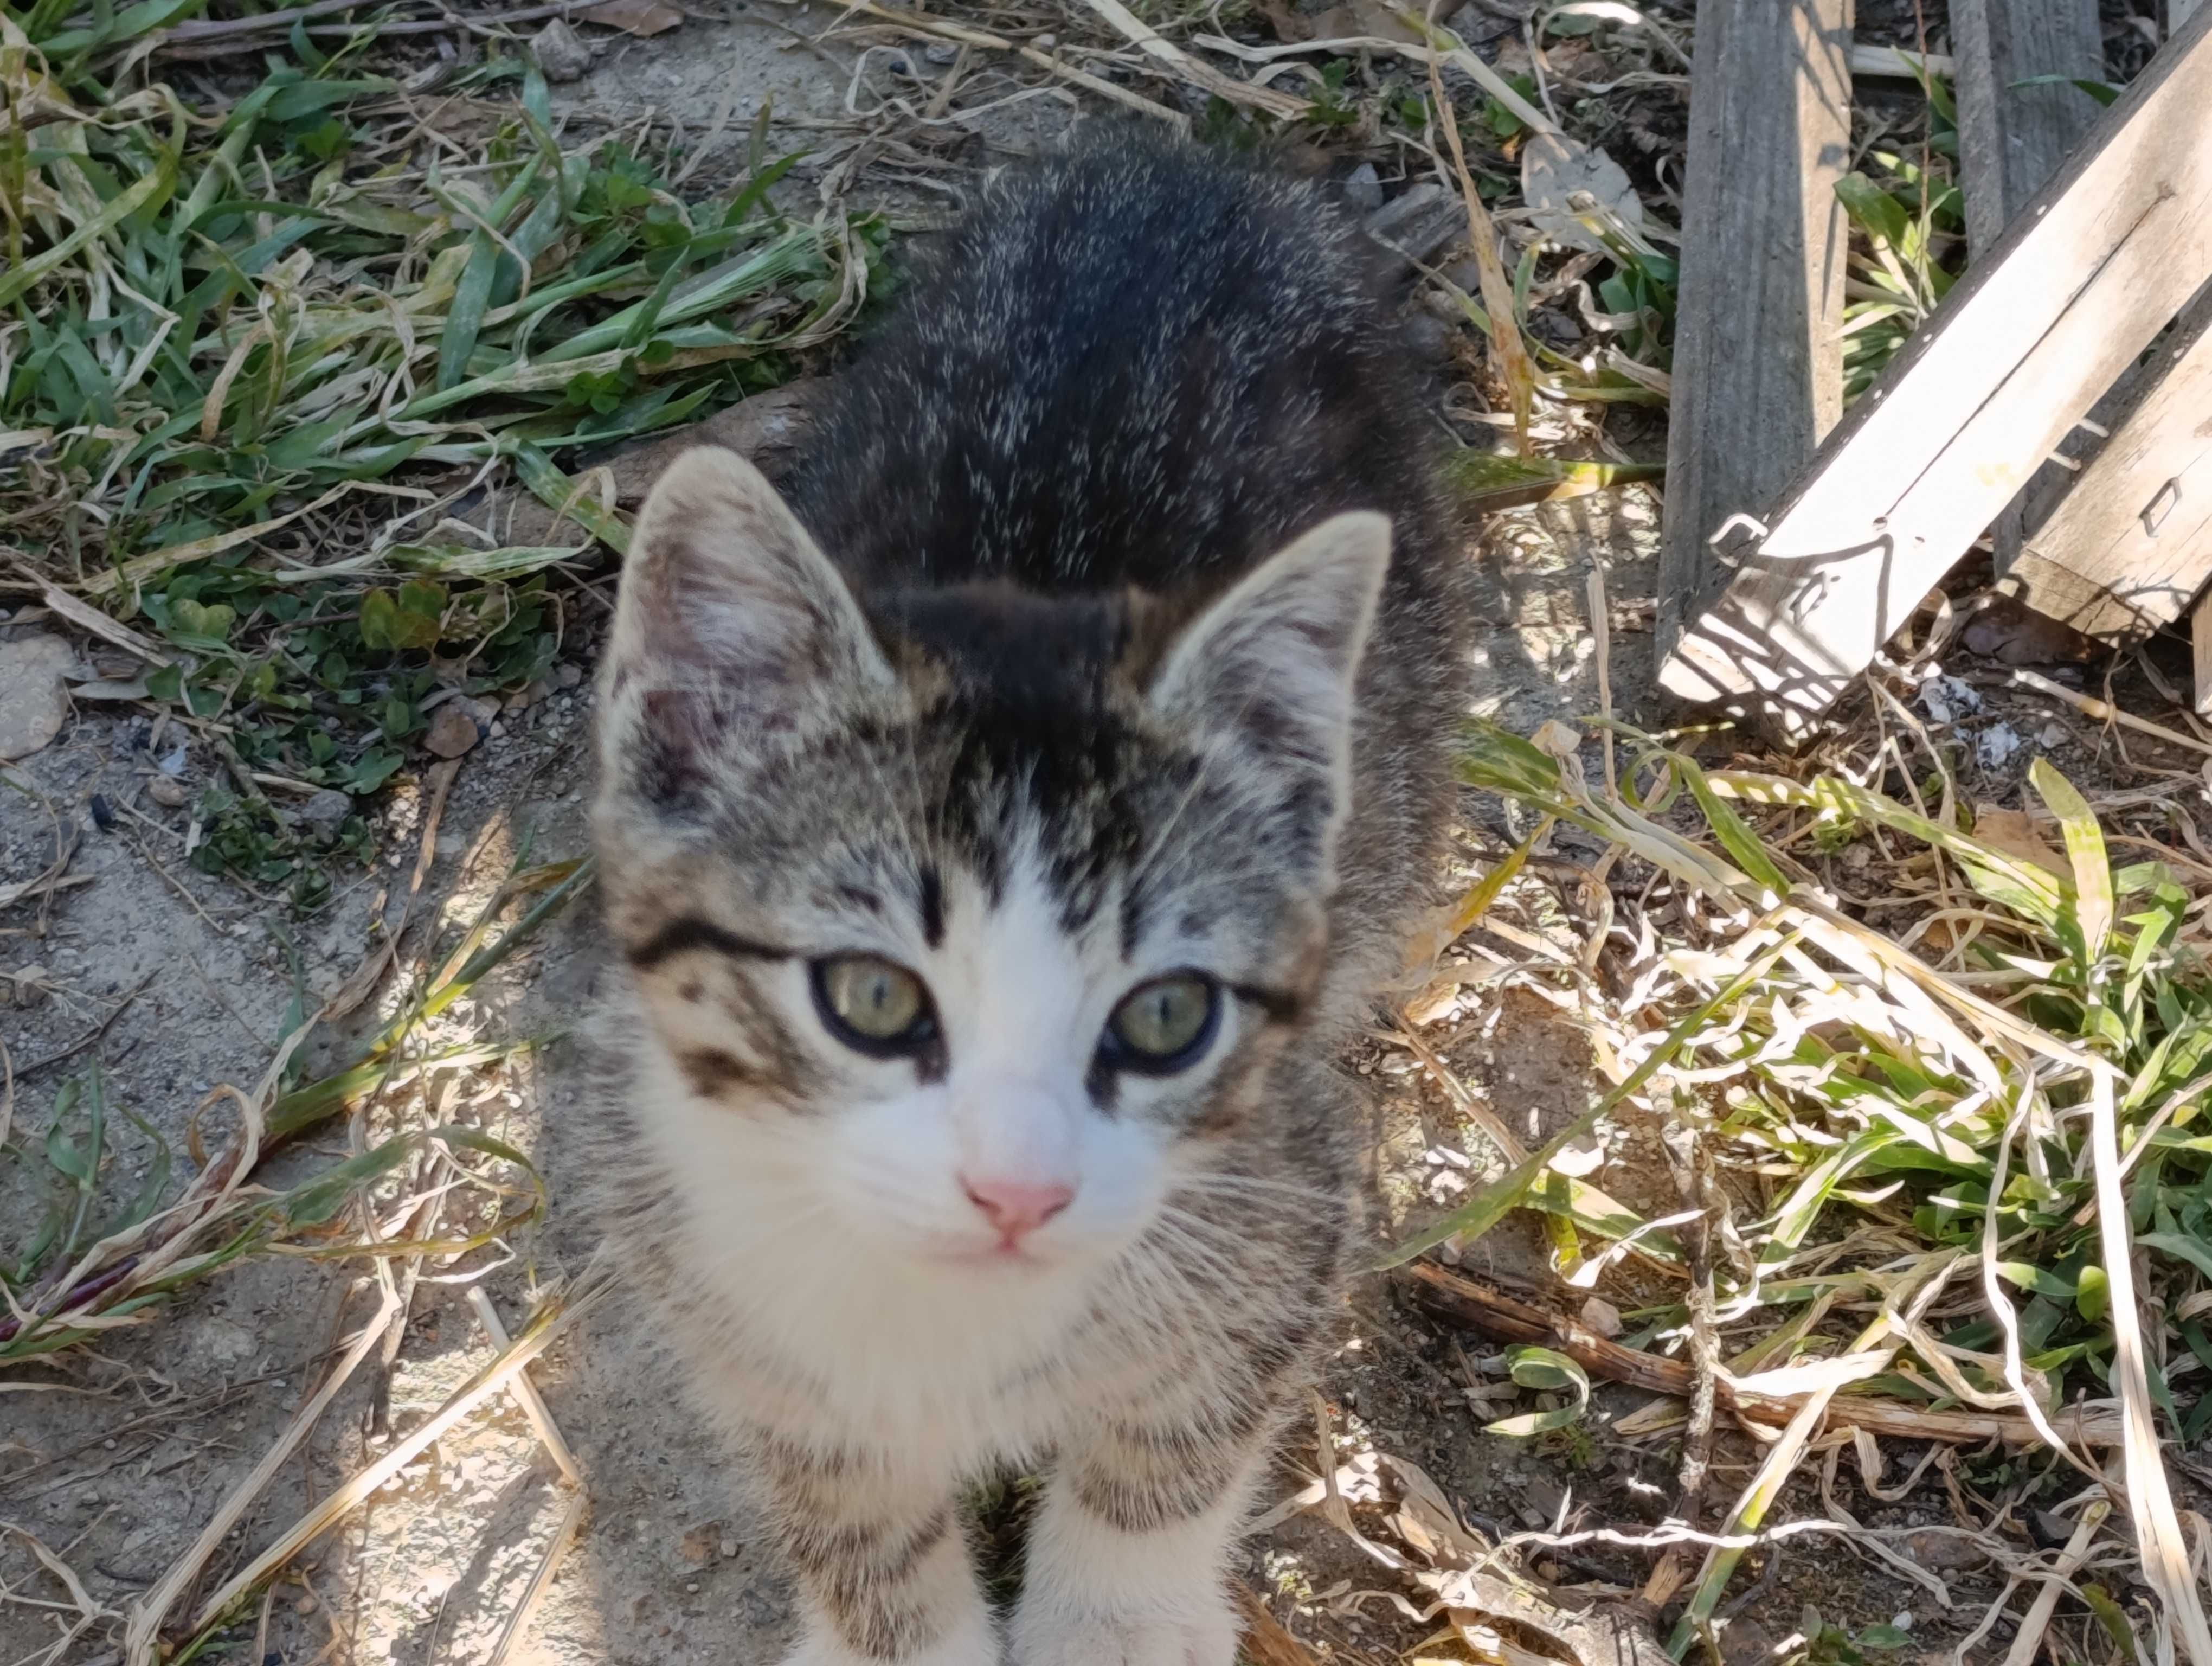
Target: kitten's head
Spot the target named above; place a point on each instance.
(970, 918)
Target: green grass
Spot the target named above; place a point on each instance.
(251, 355)
(1962, 1105)
(1911, 244)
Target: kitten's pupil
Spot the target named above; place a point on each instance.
(1164, 1023)
(865, 997)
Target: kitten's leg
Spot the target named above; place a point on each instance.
(1127, 1558)
(882, 1565)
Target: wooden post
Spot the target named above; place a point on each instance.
(1758, 373)
(2012, 139)
(2129, 545)
(2099, 262)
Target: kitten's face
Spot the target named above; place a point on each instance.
(972, 959)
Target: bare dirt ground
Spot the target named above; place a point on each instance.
(116, 1456)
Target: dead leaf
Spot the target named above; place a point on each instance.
(1439, 1000)
(86, 617)
(1555, 171)
(1601, 1634)
(1265, 1641)
(1374, 19)
(1427, 1520)
(1556, 739)
(2014, 832)
(2006, 629)
(108, 688)
(639, 17)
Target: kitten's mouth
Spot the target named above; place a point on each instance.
(1017, 1255)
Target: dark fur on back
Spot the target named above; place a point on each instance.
(1143, 365)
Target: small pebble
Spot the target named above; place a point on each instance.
(560, 53)
(167, 792)
(453, 731)
(326, 810)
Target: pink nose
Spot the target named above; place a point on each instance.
(1016, 1207)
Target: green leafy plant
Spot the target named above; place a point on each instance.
(1911, 220)
(1543, 1368)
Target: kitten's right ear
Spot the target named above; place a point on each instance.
(729, 614)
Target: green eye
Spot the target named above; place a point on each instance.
(1163, 1026)
(872, 1006)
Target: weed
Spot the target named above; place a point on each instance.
(251, 366)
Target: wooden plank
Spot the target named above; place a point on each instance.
(2129, 545)
(2200, 643)
(2012, 139)
(1758, 370)
(2100, 263)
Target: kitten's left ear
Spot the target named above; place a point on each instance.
(1271, 662)
(730, 620)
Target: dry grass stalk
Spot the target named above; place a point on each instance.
(921, 22)
(547, 1326)
(361, 983)
(542, 1578)
(2150, 1500)
(2105, 711)
(1514, 364)
(1767, 1397)
(525, 1393)
(2028, 1640)
(1444, 47)
(88, 1612)
(1204, 76)
(142, 1633)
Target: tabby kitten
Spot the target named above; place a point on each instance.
(1004, 828)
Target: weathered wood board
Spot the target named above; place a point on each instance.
(2013, 139)
(2099, 262)
(1759, 375)
(2130, 544)
(2200, 644)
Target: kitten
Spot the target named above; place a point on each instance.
(1003, 829)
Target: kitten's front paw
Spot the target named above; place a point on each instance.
(1205, 1639)
(973, 1645)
